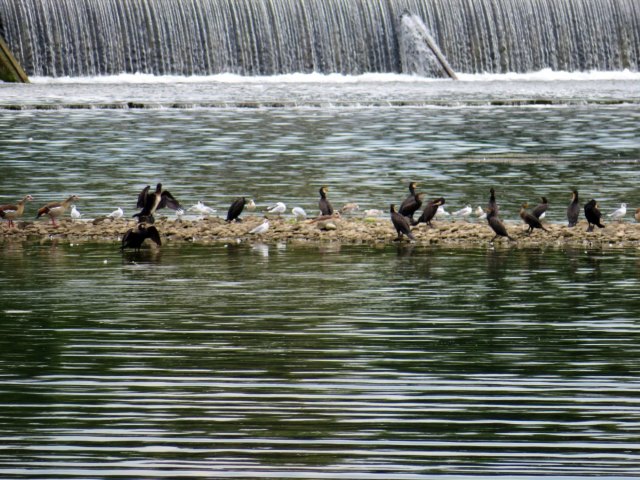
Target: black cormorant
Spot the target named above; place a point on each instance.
(236, 209)
(496, 225)
(530, 219)
(429, 211)
(492, 205)
(593, 215)
(540, 211)
(324, 204)
(401, 223)
(134, 239)
(412, 203)
(150, 202)
(573, 210)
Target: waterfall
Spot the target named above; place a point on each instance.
(265, 37)
(418, 50)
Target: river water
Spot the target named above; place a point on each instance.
(320, 361)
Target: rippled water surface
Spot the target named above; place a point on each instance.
(365, 139)
(275, 361)
(264, 361)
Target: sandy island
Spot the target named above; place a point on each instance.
(347, 230)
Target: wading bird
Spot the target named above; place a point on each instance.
(135, 238)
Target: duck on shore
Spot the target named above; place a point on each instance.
(11, 212)
(56, 209)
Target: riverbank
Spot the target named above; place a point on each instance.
(341, 230)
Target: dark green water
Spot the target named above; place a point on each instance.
(318, 362)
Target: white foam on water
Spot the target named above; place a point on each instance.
(546, 75)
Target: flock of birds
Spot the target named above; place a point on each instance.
(402, 218)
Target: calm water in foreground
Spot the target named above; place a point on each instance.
(258, 361)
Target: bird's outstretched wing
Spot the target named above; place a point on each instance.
(154, 235)
(167, 200)
(142, 197)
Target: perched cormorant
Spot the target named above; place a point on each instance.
(55, 209)
(236, 209)
(593, 215)
(541, 210)
(573, 210)
(493, 205)
(150, 202)
(11, 212)
(412, 203)
(530, 219)
(401, 223)
(324, 204)
(496, 225)
(135, 238)
(429, 212)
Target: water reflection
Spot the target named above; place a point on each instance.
(317, 361)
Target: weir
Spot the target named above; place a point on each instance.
(267, 37)
(419, 52)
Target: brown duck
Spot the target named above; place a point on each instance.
(56, 209)
(11, 212)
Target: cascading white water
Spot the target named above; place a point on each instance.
(419, 52)
(266, 37)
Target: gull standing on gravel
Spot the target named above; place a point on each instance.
(463, 212)
(116, 214)
(75, 214)
(279, 208)
(260, 229)
(202, 209)
(618, 213)
(299, 213)
(441, 212)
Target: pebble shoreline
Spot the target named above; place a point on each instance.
(345, 230)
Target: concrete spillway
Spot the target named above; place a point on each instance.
(57, 38)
